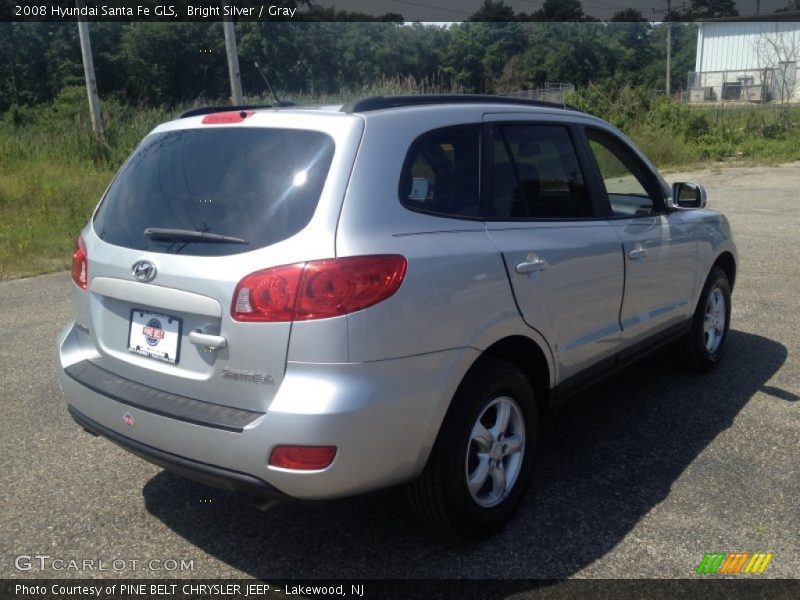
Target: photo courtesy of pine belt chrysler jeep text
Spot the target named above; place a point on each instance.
(315, 302)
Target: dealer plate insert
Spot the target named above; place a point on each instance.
(155, 335)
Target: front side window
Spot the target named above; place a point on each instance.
(625, 181)
(535, 174)
(441, 172)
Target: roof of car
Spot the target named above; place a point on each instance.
(375, 103)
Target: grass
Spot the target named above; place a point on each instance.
(43, 205)
(53, 172)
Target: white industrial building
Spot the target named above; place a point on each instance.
(746, 61)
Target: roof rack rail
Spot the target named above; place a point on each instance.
(381, 102)
(207, 110)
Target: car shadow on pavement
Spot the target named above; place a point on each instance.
(605, 461)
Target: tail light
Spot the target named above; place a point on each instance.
(80, 264)
(318, 289)
(302, 458)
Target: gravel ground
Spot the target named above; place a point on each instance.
(639, 479)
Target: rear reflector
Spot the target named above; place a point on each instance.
(226, 117)
(318, 289)
(80, 264)
(302, 458)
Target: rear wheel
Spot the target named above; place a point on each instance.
(702, 348)
(482, 460)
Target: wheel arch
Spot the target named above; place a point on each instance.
(530, 358)
(727, 263)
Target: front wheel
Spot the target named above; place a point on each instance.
(482, 460)
(703, 346)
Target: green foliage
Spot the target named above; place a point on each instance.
(477, 53)
(561, 10)
(153, 64)
(53, 172)
(619, 104)
(711, 9)
(672, 133)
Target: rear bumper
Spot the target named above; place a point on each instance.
(155, 401)
(382, 416)
(217, 477)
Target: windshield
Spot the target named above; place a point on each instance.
(255, 184)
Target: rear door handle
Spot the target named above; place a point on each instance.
(212, 342)
(529, 266)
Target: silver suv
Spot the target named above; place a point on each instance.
(316, 302)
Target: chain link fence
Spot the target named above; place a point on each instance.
(551, 92)
(755, 86)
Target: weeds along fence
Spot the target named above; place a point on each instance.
(674, 133)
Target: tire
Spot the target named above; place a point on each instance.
(473, 443)
(703, 346)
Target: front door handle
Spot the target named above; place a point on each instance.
(639, 251)
(212, 342)
(530, 264)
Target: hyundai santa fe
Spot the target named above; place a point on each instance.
(314, 302)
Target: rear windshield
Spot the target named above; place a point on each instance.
(255, 184)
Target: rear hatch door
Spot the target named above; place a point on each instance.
(195, 209)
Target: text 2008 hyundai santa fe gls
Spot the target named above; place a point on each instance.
(317, 302)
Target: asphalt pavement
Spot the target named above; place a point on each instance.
(638, 479)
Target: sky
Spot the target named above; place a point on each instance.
(457, 10)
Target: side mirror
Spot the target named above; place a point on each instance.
(686, 194)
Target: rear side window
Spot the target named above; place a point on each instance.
(441, 172)
(254, 184)
(535, 174)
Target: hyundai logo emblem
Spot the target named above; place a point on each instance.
(143, 271)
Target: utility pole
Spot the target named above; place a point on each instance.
(88, 73)
(233, 57)
(669, 47)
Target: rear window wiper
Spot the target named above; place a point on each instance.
(189, 235)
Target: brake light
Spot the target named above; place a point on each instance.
(80, 264)
(227, 117)
(302, 458)
(318, 289)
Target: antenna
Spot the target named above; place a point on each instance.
(278, 101)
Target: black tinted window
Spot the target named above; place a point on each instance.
(535, 174)
(440, 173)
(260, 185)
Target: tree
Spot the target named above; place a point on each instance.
(560, 10)
(712, 9)
(493, 11)
(778, 51)
(684, 48)
(567, 53)
(169, 62)
(478, 52)
(629, 15)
